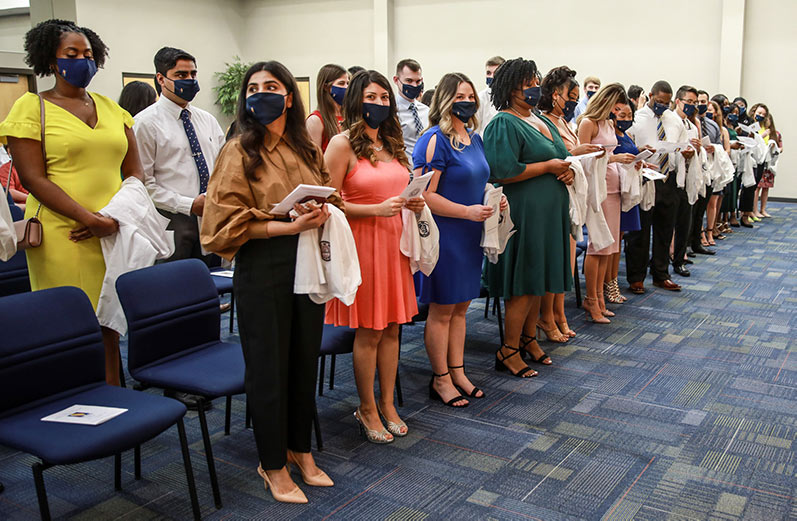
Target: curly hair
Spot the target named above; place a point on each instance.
(42, 42)
(443, 103)
(556, 78)
(510, 76)
(253, 133)
(389, 129)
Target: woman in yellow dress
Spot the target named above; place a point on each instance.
(88, 140)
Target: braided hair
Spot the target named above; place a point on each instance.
(509, 77)
(557, 78)
(42, 42)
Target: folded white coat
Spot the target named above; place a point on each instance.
(745, 166)
(141, 240)
(630, 186)
(578, 201)
(648, 196)
(327, 265)
(723, 168)
(773, 156)
(595, 170)
(8, 235)
(693, 170)
(420, 240)
(496, 233)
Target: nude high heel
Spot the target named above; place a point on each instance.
(294, 496)
(593, 311)
(319, 480)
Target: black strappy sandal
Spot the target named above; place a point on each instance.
(434, 395)
(526, 372)
(526, 340)
(473, 393)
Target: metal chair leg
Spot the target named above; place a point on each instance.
(137, 461)
(399, 394)
(319, 442)
(2, 487)
(227, 416)
(577, 284)
(189, 471)
(214, 481)
(41, 493)
(332, 372)
(117, 471)
(122, 381)
(487, 307)
(500, 320)
(322, 362)
(248, 419)
(232, 309)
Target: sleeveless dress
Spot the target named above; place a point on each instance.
(464, 174)
(537, 256)
(611, 205)
(85, 163)
(324, 138)
(387, 294)
(629, 221)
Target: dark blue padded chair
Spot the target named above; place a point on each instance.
(52, 357)
(224, 286)
(335, 341)
(14, 272)
(174, 343)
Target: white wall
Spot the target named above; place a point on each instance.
(12, 32)
(134, 31)
(769, 76)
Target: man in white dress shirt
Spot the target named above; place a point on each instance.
(486, 108)
(178, 144)
(413, 115)
(653, 123)
(592, 85)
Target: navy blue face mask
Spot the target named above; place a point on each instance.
(489, 81)
(411, 91)
(77, 71)
(709, 115)
(590, 93)
(186, 89)
(759, 118)
(742, 109)
(374, 114)
(702, 108)
(727, 109)
(733, 119)
(569, 109)
(266, 107)
(622, 126)
(689, 109)
(337, 93)
(464, 110)
(532, 95)
(659, 108)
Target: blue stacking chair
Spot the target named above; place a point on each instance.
(224, 286)
(14, 272)
(51, 358)
(174, 344)
(335, 341)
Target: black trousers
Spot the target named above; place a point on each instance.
(748, 194)
(186, 239)
(671, 215)
(281, 338)
(637, 248)
(698, 213)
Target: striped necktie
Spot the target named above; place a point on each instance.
(418, 124)
(664, 162)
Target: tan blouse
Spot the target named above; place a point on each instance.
(233, 201)
(568, 136)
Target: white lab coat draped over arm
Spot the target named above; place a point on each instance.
(498, 228)
(595, 169)
(327, 265)
(578, 200)
(630, 187)
(141, 240)
(420, 240)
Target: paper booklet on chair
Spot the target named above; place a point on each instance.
(85, 414)
(302, 194)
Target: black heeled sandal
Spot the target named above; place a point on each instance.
(473, 393)
(526, 372)
(543, 357)
(434, 395)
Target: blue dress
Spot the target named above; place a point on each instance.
(629, 221)
(457, 275)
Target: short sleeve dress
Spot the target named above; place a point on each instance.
(537, 256)
(387, 293)
(464, 174)
(85, 163)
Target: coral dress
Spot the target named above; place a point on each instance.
(387, 292)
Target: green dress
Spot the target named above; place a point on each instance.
(537, 256)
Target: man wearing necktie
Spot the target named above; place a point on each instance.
(178, 144)
(413, 115)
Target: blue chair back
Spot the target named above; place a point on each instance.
(170, 308)
(14, 276)
(51, 343)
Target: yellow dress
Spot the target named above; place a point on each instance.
(85, 163)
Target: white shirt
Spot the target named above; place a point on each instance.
(486, 110)
(170, 172)
(581, 107)
(407, 121)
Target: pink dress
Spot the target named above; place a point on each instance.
(611, 206)
(387, 292)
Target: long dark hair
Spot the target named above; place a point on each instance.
(253, 133)
(389, 130)
(326, 105)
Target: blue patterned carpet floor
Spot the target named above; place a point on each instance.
(684, 408)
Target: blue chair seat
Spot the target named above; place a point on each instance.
(337, 340)
(205, 371)
(223, 284)
(63, 443)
